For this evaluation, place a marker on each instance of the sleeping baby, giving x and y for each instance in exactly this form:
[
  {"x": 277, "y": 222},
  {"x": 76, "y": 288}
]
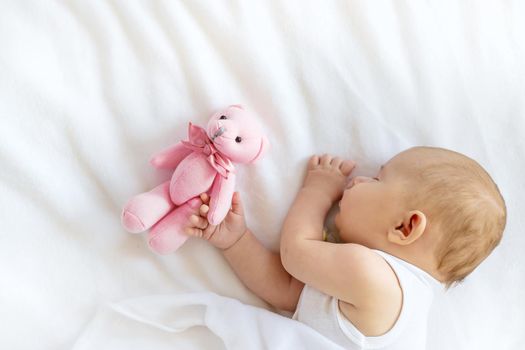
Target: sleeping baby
[{"x": 428, "y": 219}]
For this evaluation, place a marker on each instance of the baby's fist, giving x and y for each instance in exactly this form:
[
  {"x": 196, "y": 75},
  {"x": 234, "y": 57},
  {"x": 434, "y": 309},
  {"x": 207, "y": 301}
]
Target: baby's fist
[
  {"x": 328, "y": 175},
  {"x": 224, "y": 235}
]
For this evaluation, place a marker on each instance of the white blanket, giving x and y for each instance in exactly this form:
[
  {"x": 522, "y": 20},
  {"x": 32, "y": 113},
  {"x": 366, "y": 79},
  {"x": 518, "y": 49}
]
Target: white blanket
[
  {"x": 156, "y": 322},
  {"x": 89, "y": 90}
]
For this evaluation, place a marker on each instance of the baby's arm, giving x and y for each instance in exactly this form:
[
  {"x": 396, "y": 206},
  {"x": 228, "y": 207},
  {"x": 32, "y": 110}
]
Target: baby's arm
[
  {"x": 263, "y": 273},
  {"x": 350, "y": 272},
  {"x": 258, "y": 268}
]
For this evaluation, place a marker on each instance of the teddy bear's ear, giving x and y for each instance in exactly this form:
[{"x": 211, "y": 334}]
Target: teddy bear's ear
[
  {"x": 265, "y": 146},
  {"x": 238, "y": 106}
]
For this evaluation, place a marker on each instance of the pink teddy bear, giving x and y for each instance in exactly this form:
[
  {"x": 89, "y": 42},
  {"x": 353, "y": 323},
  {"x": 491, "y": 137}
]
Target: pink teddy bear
[{"x": 202, "y": 164}]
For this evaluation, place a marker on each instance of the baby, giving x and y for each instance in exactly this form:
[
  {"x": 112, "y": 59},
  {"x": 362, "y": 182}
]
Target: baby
[{"x": 428, "y": 218}]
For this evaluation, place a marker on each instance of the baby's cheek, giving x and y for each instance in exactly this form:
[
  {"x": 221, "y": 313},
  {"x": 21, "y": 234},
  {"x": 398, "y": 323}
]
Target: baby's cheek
[
  {"x": 343, "y": 219},
  {"x": 347, "y": 203}
]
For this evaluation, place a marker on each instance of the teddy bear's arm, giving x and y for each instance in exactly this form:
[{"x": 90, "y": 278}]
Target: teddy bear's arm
[
  {"x": 221, "y": 198},
  {"x": 170, "y": 157}
]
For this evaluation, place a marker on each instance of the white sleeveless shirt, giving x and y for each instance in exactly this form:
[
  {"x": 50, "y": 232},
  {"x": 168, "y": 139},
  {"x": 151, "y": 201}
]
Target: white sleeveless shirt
[{"x": 321, "y": 312}]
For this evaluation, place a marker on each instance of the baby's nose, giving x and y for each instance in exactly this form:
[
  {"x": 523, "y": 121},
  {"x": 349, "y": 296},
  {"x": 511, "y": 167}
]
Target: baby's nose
[{"x": 359, "y": 179}]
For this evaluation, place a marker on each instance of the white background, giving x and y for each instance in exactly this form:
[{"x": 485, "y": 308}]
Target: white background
[{"x": 90, "y": 89}]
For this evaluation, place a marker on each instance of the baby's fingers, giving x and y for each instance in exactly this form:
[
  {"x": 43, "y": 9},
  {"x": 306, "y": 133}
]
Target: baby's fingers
[
  {"x": 313, "y": 162},
  {"x": 347, "y": 166},
  {"x": 195, "y": 232},
  {"x": 198, "y": 222},
  {"x": 203, "y": 210},
  {"x": 205, "y": 198},
  {"x": 199, "y": 225},
  {"x": 237, "y": 204}
]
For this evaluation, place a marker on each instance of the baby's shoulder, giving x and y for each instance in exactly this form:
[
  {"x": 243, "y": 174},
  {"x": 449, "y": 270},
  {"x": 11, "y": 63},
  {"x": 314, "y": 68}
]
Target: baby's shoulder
[
  {"x": 383, "y": 281},
  {"x": 380, "y": 307}
]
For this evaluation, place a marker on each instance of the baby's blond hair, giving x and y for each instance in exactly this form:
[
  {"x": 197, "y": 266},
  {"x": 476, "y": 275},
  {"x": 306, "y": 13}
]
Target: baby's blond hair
[{"x": 464, "y": 205}]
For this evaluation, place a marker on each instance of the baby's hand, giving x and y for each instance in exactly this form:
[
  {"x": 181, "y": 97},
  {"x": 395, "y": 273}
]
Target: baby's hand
[
  {"x": 224, "y": 235},
  {"x": 328, "y": 175}
]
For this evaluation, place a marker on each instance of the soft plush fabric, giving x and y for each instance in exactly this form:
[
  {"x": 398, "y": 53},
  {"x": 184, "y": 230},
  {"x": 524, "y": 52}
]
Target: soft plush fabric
[
  {"x": 202, "y": 164},
  {"x": 161, "y": 319},
  {"x": 89, "y": 90}
]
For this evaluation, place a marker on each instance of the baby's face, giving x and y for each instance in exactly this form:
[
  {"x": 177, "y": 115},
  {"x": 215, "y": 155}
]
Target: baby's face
[{"x": 371, "y": 206}]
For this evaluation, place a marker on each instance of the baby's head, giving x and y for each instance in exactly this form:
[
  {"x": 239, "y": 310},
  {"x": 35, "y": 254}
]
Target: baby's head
[{"x": 435, "y": 208}]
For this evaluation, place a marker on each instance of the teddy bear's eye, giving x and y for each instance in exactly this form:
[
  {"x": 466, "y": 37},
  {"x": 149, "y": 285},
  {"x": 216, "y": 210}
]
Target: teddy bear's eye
[
  {"x": 238, "y": 139},
  {"x": 223, "y": 117}
]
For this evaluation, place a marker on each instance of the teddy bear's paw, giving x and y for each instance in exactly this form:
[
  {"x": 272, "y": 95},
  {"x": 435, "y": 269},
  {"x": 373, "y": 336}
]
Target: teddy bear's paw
[
  {"x": 132, "y": 223},
  {"x": 165, "y": 244}
]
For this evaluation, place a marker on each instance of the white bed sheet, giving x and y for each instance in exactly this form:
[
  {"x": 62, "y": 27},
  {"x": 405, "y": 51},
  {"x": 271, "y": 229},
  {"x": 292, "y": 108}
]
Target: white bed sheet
[{"x": 89, "y": 90}]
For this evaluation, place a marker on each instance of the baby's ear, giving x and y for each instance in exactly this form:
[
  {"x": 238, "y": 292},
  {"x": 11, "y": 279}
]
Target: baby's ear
[{"x": 409, "y": 230}]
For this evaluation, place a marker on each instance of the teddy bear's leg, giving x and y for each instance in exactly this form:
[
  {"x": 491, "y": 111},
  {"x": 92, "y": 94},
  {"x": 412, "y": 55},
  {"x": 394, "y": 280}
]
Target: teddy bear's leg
[
  {"x": 168, "y": 235},
  {"x": 146, "y": 209}
]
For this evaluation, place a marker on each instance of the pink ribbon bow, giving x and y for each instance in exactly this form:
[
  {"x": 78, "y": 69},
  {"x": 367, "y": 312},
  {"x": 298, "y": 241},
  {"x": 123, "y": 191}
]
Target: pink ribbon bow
[{"x": 199, "y": 141}]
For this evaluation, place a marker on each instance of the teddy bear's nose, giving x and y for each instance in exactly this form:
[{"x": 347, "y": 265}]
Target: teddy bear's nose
[{"x": 218, "y": 133}]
